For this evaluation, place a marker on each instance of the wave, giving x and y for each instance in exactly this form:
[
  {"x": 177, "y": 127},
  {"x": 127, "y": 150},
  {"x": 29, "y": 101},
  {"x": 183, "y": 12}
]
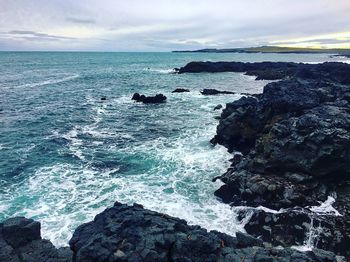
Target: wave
[
  {"x": 162, "y": 71},
  {"x": 50, "y": 81}
]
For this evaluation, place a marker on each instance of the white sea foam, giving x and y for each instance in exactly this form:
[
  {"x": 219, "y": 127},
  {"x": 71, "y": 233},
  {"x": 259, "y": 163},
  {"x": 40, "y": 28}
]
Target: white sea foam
[
  {"x": 169, "y": 174},
  {"x": 312, "y": 236},
  {"x": 339, "y": 60},
  {"x": 75, "y": 143},
  {"x": 50, "y": 81},
  {"x": 326, "y": 208}
]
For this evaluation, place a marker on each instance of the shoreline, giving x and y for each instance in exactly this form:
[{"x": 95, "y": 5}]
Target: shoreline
[
  {"x": 283, "y": 135},
  {"x": 285, "y": 97}
]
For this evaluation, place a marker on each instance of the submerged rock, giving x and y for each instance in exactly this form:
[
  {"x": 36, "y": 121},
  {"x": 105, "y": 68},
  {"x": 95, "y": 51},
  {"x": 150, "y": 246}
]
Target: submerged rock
[{"x": 159, "y": 98}]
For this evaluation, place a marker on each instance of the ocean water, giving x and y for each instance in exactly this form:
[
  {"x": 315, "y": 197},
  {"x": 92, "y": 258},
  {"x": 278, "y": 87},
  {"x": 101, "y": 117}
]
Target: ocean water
[{"x": 65, "y": 155}]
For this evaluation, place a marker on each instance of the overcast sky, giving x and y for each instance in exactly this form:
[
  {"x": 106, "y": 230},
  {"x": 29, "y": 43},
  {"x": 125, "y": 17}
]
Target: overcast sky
[{"x": 163, "y": 25}]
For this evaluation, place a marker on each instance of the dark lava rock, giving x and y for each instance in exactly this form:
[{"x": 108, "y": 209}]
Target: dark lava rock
[
  {"x": 214, "y": 92},
  {"x": 335, "y": 72},
  {"x": 131, "y": 233},
  {"x": 295, "y": 142},
  {"x": 180, "y": 90},
  {"x": 300, "y": 227},
  {"x": 20, "y": 240},
  {"x": 19, "y": 231},
  {"x": 159, "y": 98}
]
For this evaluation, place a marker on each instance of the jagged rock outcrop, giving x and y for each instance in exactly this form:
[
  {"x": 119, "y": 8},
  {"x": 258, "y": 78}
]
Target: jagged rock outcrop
[
  {"x": 131, "y": 233},
  {"x": 335, "y": 72},
  {"x": 20, "y": 240},
  {"x": 295, "y": 142},
  {"x": 287, "y": 228}
]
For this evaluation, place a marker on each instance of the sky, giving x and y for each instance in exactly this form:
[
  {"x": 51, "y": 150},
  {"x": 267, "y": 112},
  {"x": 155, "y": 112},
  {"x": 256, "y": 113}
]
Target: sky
[{"x": 164, "y": 25}]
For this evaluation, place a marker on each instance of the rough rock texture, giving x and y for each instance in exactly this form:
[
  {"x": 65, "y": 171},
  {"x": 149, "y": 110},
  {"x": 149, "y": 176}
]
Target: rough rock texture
[
  {"x": 295, "y": 142},
  {"x": 20, "y": 240},
  {"x": 159, "y": 98},
  {"x": 288, "y": 228},
  {"x": 131, "y": 233},
  {"x": 215, "y": 92}
]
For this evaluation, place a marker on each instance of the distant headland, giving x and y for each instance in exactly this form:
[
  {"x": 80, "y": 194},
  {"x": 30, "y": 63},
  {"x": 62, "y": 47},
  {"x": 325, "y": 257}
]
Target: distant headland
[{"x": 271, "y": 49}]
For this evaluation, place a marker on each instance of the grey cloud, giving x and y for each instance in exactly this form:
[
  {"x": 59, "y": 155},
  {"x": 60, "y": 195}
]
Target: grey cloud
[
  {"x": 320, "y": 41},
  {"x": 166, "y": 24},
  {"x": 35, "y": 35},
  {"x": 81, "y": 20}
]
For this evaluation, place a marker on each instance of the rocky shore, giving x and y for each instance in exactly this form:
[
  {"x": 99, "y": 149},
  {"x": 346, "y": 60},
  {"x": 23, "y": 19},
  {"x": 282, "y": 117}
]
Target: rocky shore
[
  {"x": 131, "y": 233},
  {"x": 290, "y": 154},
  {"x": 294, "y": 151}
]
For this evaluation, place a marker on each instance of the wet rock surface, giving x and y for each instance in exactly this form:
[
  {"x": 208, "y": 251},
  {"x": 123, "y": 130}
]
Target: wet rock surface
[
  {"x": 288, "y": 228},
  {"x": 295, "y": 142}
]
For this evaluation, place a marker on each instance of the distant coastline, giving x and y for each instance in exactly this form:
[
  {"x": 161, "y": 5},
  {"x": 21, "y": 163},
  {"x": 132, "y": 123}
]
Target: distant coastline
[{"x": 270, "y": 49}]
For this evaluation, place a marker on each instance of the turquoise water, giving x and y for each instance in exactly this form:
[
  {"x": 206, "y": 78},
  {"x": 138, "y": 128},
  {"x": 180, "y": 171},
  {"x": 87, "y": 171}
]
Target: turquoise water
[{"x": 65, "y": 155}]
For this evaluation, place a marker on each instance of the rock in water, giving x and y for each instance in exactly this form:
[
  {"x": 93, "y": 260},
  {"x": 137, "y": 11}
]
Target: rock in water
[
  {"x": 208, "y": 92},
  {"x": 218, "y": 107},
  {"x": 159, "y": 98},
  {"x": 180, "y": 90}
]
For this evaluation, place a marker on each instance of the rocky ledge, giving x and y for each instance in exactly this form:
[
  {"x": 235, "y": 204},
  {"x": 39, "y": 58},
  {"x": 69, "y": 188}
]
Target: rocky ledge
[
  {"x": 20, "y": 240},
  {"x": 132, "y": 233},
  {"x": 338, "y": 72},
  {"x": 294, "y": 151}
]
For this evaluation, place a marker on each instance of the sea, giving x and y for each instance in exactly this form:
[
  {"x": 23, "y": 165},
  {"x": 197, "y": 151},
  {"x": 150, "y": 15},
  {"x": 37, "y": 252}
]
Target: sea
[{"x": 66, "y": 155}]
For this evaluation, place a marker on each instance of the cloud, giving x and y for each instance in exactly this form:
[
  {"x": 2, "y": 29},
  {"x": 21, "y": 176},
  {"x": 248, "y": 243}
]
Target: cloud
[
  {"x": 81, "y": 20},
  {"x": 34, "y": 35},
  {"x": 163, "y": 25}
]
